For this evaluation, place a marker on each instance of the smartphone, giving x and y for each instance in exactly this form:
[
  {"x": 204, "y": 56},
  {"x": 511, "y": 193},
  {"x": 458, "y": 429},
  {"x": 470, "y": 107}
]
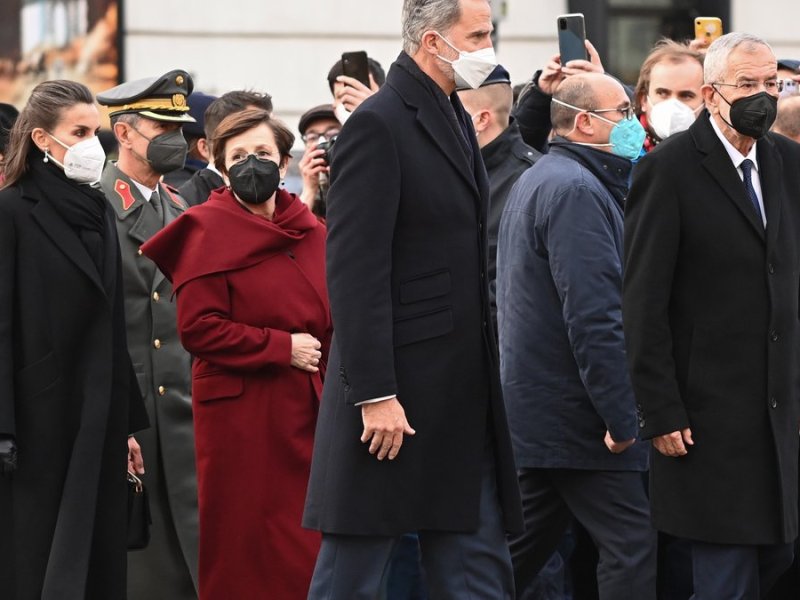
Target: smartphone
[
  {"x": 355, "y": 65},
  {"x": 707, "y": 29},
  {"x": 571, "y": 37}
]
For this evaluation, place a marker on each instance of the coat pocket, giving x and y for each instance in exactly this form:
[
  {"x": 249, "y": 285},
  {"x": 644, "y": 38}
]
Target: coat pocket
[
  {"x": 425, "y": 326},
  {"x": 425, "y": 287},
  {"x": 216, "y": 386},
  {"x": 38, "y": 377}
]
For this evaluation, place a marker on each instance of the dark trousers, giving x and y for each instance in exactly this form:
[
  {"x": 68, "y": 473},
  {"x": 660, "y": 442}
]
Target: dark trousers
[
  {"x": 613, "y": 508},
  {"x": 457, "y": 566},
  {"x": 734, "y": 572}
]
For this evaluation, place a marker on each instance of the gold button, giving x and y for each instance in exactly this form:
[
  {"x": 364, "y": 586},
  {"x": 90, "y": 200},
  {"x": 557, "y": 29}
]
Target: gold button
[
  {"x": 162, "y": 390},
  {"x": 157, "y": 344},
  {"x": 156, "y": 297},
  {"x": 139, "y": 252}
]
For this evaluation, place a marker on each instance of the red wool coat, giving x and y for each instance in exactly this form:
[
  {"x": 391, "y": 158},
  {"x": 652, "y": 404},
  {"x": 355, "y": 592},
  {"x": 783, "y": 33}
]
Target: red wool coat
[{"x": 244, "y": 285}]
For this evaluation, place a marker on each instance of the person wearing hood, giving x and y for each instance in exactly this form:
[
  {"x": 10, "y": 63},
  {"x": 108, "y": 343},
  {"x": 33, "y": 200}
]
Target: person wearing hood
[
  {"x": 565, "y": 380},
  {"x": 255, "y": 316}
]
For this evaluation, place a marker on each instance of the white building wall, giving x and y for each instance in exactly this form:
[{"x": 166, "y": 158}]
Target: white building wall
[{"x": 286, "y": 47}]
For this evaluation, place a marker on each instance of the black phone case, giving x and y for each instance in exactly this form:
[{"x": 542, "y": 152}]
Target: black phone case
[{"x": 354, "y": 64}]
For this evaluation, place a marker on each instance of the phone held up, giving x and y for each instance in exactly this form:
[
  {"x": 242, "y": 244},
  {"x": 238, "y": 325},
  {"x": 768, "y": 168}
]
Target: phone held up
[
  {"x": 355, "y": 65},
  {"x": 571, "y": 37},
  {"x": 707, "y": 29}
]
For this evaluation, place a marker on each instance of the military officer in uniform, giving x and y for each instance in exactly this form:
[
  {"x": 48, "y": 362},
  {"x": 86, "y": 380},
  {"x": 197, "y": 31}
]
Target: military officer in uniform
[{"x": 146, "y": 116}]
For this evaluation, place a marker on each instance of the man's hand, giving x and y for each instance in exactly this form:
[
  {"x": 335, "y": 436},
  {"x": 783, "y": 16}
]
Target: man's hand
[
  {"x": 311, "y": 165},
  {"x": 384, "y": 423},
  {"x": 617, "y": 447},
  {"x": 354, "y": 92},
  {"x": 674, "y": 444},
  {"x": 554, "y": 73},
  {"x": 8, "y": 455},
  {"x": 135, "y": 460},
  {"x": 306, "y": 352}
]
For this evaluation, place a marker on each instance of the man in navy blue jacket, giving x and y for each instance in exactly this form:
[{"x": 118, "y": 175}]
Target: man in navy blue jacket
[{"x": 565, "y": 381}]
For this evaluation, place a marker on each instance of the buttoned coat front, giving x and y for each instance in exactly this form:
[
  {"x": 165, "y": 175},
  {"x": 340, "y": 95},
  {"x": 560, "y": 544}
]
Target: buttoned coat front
[
  {"x": 710, "y": 309},
  {"x": 407, "y": 260},
  {"x": 164, "y": 370}
]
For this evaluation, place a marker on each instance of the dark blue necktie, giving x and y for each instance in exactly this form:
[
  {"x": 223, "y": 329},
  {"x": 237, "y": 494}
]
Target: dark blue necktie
[{"x": 747, "y": 168}]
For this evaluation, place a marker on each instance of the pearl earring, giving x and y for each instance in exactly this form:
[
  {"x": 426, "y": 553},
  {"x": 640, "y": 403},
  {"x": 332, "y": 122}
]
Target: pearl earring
[{"x": 46, "y": 158}]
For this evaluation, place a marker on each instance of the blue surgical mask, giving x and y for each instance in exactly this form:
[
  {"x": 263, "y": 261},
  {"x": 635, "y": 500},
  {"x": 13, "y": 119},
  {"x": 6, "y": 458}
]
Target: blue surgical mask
[{"x": 627, "y": 136}]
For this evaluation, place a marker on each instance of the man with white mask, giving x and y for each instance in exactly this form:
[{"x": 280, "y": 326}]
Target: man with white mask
[
  {"x": 412, "y": 433},
  {"x": 668, "y": 97}
]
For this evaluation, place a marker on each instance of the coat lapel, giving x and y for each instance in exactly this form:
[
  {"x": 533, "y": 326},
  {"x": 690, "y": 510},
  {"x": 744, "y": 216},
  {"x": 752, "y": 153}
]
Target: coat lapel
[
  {"x": 433, "y": 122},
  {"x": 770, "y": 164},
  {"x": 64, "y": 238},
  {"x": 171, "y": 208},
  {"x": 719, "y": 165}
]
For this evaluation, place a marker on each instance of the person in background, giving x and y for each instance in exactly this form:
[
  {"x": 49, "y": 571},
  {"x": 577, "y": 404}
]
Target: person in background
[
  {"x": 504, "y": 153},
  {"x": 68, "y": 394},
  {"x": 318, "y": 125},
  {"x": 562, "y": 352},
  {"x": 255, "y": 315},
  {"x": 198, "y": 153},
  {"x": 668, "y": 96},
  {"x": 8, "y": 114},
  {"x": 146, "y": 116},
  {"x": 204, "y": 181},
  {"x": 710, "y": 308},
  {"x": 348, "y": 93}
]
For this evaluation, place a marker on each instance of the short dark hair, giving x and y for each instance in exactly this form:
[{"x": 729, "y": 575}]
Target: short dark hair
[
  {"x": 244, "y": 120},
  {"x": 232, "y": 102},
  {"x": 665, "y": 50},
  {"x": 575, "y": 91}
]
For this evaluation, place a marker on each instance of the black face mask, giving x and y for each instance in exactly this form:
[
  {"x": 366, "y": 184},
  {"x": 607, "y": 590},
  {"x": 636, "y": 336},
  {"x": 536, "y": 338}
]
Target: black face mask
[
  {"x": 253, "y": 180},
  {"x": 166, "y": 152},
  {"x": 753, "y": 115}
]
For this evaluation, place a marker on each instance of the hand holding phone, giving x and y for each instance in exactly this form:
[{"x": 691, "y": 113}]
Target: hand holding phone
[{"x": 356, "y": 65}]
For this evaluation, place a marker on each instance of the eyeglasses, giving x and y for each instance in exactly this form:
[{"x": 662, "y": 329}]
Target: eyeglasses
[
  {"x": 627, "y": 113},
  {"x": 313, "y": 138},
  {"x": 772, "y": 86}
]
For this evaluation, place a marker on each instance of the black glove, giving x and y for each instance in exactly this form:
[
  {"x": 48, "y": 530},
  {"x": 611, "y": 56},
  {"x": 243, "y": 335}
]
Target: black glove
[{"x": 8, "y": 455}]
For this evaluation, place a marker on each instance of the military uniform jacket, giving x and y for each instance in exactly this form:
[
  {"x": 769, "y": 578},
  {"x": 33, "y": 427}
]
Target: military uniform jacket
[{"x": 162, "y": 366}]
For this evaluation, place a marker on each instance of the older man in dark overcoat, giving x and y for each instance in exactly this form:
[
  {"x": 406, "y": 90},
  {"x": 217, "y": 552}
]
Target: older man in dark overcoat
[
  {"x": 712, "y": 256},
  {"x": 412, "y": 433}
]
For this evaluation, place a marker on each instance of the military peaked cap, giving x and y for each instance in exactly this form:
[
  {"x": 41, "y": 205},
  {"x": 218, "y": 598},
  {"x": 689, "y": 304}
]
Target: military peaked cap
[{"x": 159, "y": 98}]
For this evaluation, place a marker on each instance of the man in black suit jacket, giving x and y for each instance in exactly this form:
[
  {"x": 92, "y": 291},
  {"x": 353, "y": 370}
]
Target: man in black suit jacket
[
  {"x": 712, "y": 237},
  {"x": 413, "y": 344}
]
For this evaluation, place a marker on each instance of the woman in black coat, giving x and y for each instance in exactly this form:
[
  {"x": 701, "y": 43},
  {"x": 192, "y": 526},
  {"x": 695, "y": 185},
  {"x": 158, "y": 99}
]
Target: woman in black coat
[{"x": 68, "y": 394}]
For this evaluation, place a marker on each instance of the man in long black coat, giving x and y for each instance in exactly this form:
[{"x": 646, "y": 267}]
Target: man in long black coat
[
  {"x": 413, "y": 345},
  {"x": 712, "y": 256}
]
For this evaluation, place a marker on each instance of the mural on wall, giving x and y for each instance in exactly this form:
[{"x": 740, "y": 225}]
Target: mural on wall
[{"x": 58, "y": 39}]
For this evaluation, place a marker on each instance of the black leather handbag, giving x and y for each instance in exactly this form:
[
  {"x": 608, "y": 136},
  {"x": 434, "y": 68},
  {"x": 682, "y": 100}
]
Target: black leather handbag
[{"x": 139, "y": 519}]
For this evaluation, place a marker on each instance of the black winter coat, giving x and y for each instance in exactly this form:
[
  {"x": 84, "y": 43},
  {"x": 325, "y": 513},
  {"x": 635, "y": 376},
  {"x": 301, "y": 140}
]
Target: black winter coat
[
  {"x": 407, "y": 259},
  {"x": 710, "y": 309},
  {"x": 69, "y": 394}
]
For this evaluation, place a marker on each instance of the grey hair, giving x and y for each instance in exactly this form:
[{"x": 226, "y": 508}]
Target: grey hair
[
  {"x": 420, "y": 16},
  {"x": 716, "y": 62}
]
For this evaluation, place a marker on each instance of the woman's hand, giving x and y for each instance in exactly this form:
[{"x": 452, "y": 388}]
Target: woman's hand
[
  {"x": 135, "y": 460},
  {"x": 305, "y": 352}
]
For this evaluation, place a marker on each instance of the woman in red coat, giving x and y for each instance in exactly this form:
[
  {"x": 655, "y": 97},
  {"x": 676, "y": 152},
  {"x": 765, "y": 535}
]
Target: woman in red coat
[{"x": 248, "y": 268}]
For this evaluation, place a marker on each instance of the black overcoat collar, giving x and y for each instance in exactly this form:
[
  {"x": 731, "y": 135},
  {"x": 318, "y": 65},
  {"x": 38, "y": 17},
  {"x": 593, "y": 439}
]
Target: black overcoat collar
[
  {"x": 719, "y": 165},
  {"x": 417, "y": 91},
  {"x": 58, "y": 230}
]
